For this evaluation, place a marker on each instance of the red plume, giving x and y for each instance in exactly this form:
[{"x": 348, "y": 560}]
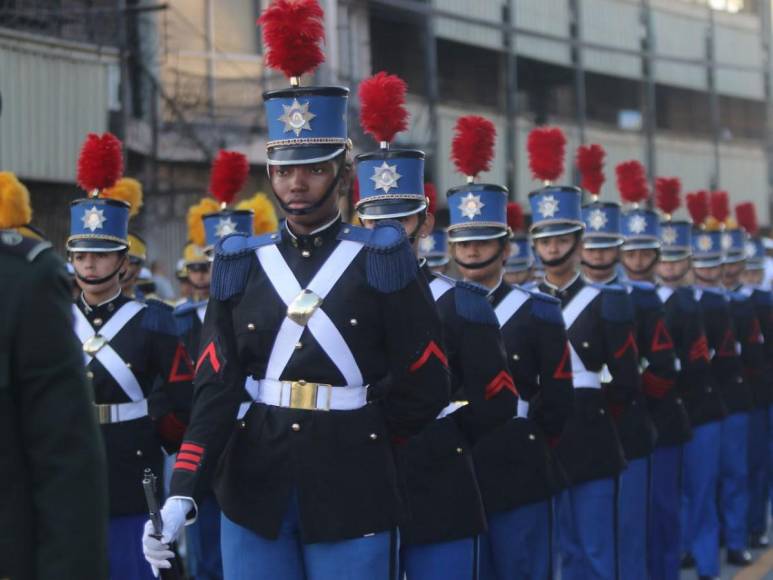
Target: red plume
[
  {"x": 590, "y": 162},
  {"x": 698, "y": 206},
  {"x": 431, "y": 194},
  {"x": 746, "y": 214},
  {"x": 356, "y": 191},
  {"x": 382, "y": 106},
  {"x": 514, "y": 216},
  {"x": 667, "y": 194},
  {"x": 229, "y": 173},
  {"x": 720, "y": 206},
  {"x": 546, "y": 146},
  {"x": 473, "y": 146},
  {"x": 101, "y": 162},
  {"x": 292, "y": 33},
  {"x": 631, "y": 181}
]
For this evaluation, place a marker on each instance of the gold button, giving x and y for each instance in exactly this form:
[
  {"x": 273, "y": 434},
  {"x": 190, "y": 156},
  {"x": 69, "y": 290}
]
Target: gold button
[
  {"x": 97, "y": 322},
  {"x": 459, "y": 450},
  {"x": 250, "y": 326},
  {"x": 373, "y": 436},
  {"x": 739, "y": 380},
  {"x": 679, "y": 400},
  {"x": 110, "y": 307},
  {"x": 708, "y": 389},
  {"x": 89, "y": 374},
  {"x": 295, "y": 427},
  {"x": 128, "y": 365},
  {"x": 516, "y": 357},
  {"x": 531, "y": 437},
  {"x": 602, "y": 412},
  {"x": 585, "y": 344},
  {"x": 317, "y": 242},
  {"x": 305, "y": 253},
  {"x": 298, "y": 345},
  {"x": 353, "y": 322},
  {"x": 347, "y": 230},
  {"x": 242, "y": 424},
  {"x": 139, "y": 452}
]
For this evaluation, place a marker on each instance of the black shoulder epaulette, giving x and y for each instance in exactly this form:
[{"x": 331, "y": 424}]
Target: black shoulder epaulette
[{"x": 546, "y": 307}]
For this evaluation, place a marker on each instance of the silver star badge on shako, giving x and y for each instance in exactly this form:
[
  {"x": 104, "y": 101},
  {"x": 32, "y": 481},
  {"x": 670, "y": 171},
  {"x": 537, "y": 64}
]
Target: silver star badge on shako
[
  {"x": 751, "y": 250},
  {"x": 297, "y": 117},
  {"x": 471, "y": 205},
  {"x": 224, "y": 227},
  {"x": 597, "y": 219},
  {"x": 669, "y": 235},
  {"x": 385, "y": 177},
  {"x": 93, "y": 219},
  {"x": 515, "y": 250},
  {"x": 547, "y": 206},
  {"x": 426, "y": 245},
  {"x": 704, "y": 243},
  {"x": 727, "y": 241},
  {"x": 637, "y": 224}
]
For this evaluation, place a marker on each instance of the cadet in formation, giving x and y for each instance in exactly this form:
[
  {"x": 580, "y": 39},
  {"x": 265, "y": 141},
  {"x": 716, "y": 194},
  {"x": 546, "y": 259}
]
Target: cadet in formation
[{"x": 305, "y": 319}]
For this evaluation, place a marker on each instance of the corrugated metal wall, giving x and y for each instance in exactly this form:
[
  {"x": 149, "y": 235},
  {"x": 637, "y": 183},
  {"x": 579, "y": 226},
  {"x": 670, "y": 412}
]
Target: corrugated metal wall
[{"x": 54, "y": 92}]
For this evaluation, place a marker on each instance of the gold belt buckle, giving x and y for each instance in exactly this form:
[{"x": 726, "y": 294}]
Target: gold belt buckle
[
  {"x": 103, "y": 414},
  {"x": 94, "y": 344},
  {"x": 303, "y": 395}
]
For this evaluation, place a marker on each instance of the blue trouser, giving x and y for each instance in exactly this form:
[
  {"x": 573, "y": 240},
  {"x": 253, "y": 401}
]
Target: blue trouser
[
  {"x": 632, "y": 519},
  {"x": 124, "y": 538},
  {"x": 202, "y": 539},
  {"x": 586, "y": 531},
  {"x": 664, "y": 544},
  {"x": 517, "y": 544},
  {"x": 700, "y": 524},
  {"x": 734, "y": 480},
  {"x": 758, "y": 471},
  {"x": 456, "y": 560},
  {"x": 248, "y": 556}
]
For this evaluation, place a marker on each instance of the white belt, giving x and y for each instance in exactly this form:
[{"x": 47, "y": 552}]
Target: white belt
[
  {"x": 120, "y": 412},
  {"x": 450, "y": 408},
  {"x": 523, "y": 409},
  {"x": 586, "y": 380},
  {"x": 304, "y": 395}
]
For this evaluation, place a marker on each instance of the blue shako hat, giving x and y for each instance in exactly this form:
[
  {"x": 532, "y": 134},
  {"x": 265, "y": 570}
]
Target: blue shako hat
[
  {"x": 755, "y": 254},
  {"x": 641, "y": 229},
  {"x": 225, "y": 222},
  {"x": 746, "y": 216},
  {"x": 434, "y": 248},
  {"x": 477, "y": 211},
  {"x": 734, "y": 245},
  {"x": 675, "y": 240},
  {"x": 306, "y": 124},
  {"x": 602, "y": 225},
  {"x": 98, "y": 225},
  {"x": 706, "y": 248},
  {"x": 555, "y": 211},
  {"x": 521, "y": 257},
  {"x": 391, "y": 180}
]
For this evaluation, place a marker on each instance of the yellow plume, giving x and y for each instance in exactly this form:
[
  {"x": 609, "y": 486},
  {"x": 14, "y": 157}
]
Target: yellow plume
[
  {"x": 129, "y": 190},
  {"x": 15, "y": 209},
  {"x": 195, "y": 219},
  {"x": 264, "y": 219}
]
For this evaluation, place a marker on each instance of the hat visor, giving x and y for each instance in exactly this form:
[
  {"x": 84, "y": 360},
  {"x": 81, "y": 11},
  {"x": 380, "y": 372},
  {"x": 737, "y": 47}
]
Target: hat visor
[
  {"x": 733, "y": 258},
  {"x": 436, "y": 261},
  {"x": 303, "y": 154},
  {"x": 95, "y": 245},
  {"x": 755, "y": 264},
  {"x": 600, "y": 242},
  {"x": 629, "y": 245},
  {"x": 555, "y": 229},
  {"x": 383, "y": 209},
  {"x": 706, "y": 261},
  {"x": 469, "y": 234},
  {"x": 518, "y": 266},
  {"x": 674, "y": 255}
]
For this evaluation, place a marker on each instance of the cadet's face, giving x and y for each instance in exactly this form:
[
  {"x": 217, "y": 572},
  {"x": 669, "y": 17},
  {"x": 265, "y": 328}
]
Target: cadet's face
[
  {"x": 132, "y": 272},
  {"x": 96, "y": 265},
  {"x": 708, "y": 275},
  {"x": 301, "y": 186},
  {"x": 477, "y": 251},
  {"x": 635, "y": 262},
  {"x": 673, "y": 271},
  {"x": 554, "y": 248},
  {"x": 199, "y": 275},
  {"x": 752, "y": 277},
  {"x": 600, "y": 256},
  {"x": 731, "y": 273},
  {"x": 518, "y": 277}
]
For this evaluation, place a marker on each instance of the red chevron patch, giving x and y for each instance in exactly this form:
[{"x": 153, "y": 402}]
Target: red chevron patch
[
  {"x": 661, "y": 339},
  {"x": 728, "y": 344},
  {"x": 182, "y": 366},
  {"x": 755, "y": 334},
  {"x": 209, "y": 353},
  {"x": 700, "y": 349},
  {"x": 432, "y": 350},
  {"x": 563, "y": 370},
  {"x": 502, "y": 381},
  {"x": 630, "y": 343}
]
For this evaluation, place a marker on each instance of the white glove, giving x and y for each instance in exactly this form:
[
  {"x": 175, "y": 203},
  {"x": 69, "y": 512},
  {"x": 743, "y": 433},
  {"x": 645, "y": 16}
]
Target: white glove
[{"x": 157, "y": 551}]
